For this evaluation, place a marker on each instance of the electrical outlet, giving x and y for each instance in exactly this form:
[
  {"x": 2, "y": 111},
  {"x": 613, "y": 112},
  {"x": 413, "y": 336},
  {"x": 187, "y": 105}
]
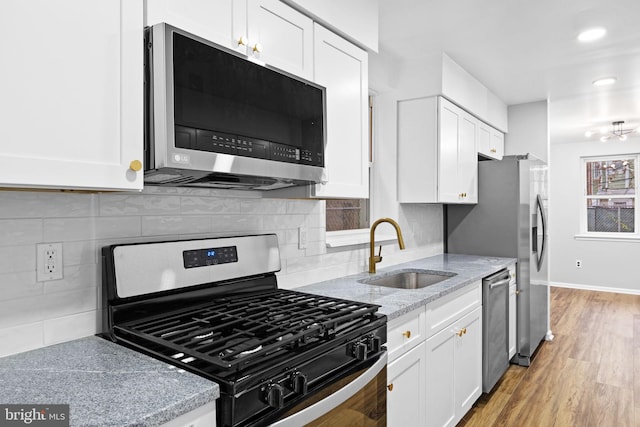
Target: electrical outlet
[
  {"x": 578, "y": 263},
  {"x": 302, "y": 238},
  {"x": 49, "y": 262}
]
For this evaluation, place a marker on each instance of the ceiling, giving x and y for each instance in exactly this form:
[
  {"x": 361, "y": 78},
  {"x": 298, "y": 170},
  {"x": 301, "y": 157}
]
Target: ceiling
[{"x": 526, "y": 51}]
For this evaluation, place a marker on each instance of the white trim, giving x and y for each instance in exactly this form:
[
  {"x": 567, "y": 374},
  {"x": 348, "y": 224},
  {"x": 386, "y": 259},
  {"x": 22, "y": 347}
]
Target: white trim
[
  {"x": 596, "y": 288},
  {"x": 609, "y": 237},
  {"x": 337, "y": 239}
]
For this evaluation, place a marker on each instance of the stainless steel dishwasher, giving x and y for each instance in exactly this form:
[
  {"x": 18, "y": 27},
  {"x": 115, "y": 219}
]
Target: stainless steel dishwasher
[{"x": 495, "y": 328}]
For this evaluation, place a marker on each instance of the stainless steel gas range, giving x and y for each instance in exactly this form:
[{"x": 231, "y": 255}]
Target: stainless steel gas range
[{"x": 213, "y": 307}]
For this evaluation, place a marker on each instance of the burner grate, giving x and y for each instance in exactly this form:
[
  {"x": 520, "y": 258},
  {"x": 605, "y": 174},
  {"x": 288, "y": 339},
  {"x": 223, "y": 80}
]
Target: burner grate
[{"x": 236, "y": 331}]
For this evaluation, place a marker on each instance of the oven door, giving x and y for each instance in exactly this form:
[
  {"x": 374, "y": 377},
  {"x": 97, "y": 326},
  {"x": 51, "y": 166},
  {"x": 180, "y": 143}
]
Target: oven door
[{"x": 359, "y": 399}]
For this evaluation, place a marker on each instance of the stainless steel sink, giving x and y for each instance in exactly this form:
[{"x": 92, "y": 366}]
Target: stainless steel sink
[{"x": 409, "y": 279}]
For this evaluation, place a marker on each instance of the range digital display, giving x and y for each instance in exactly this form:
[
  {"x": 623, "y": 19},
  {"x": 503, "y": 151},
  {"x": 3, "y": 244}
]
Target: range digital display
[{"x": 209, "y": 256}]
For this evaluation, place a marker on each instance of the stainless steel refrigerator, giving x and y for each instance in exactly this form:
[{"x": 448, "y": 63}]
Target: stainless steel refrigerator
[{"x": 510, "y": 220}]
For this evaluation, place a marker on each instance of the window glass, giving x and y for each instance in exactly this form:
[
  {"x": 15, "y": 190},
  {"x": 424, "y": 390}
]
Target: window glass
[
  {"x": 347, "y": 214},
  {"x": 610, "y": 194}
]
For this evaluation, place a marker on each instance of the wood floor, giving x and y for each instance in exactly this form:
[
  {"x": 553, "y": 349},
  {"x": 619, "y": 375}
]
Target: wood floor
[{"x": 588, "y": 376}]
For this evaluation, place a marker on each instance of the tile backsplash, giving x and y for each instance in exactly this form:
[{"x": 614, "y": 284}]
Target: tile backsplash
[{"x": 35, "y": 314}]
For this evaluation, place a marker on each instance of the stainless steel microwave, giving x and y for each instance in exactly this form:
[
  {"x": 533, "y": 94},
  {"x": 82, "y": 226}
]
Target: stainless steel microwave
[{"x": 215, "y": 118}]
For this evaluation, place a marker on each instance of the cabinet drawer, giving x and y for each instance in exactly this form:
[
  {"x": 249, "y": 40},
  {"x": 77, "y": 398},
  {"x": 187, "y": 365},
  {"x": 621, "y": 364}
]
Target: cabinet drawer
[
  {"x": 445, "y": 310},
  {"x": 405, "y": 332}
]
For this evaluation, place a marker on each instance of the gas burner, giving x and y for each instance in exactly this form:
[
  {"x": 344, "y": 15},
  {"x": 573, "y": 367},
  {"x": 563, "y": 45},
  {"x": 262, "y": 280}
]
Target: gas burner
[{"x": 240, "y": 347}]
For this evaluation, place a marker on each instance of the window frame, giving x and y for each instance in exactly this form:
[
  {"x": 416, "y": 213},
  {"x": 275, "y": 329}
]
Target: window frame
[{"x": 585, "y": 234}]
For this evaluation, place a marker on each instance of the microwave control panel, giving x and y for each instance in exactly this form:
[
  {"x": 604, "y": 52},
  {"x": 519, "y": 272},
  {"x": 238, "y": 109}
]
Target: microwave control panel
[{"x": 220, "y": 142}]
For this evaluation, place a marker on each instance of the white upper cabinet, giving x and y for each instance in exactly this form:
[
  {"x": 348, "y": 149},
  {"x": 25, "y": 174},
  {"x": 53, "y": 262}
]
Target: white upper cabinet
[
  {"x": 280, "y": 36},
  {"x": 437, "y": 155},
  {"x": 490, "y": 141},
  {"x": 267, "y": 30},
  {"x": 72, "y": 94},
  {"x": 220, "y": 21},
  {"x": 342, "y": 68}
]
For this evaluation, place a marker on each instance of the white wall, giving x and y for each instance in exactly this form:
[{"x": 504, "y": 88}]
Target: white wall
[
  {"x": 528, "y": 130},
  {"x": 607, "y": 265}
]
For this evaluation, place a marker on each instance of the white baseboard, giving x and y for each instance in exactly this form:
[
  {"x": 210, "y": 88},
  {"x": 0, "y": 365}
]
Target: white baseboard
[{"x": 596, "y": 288}]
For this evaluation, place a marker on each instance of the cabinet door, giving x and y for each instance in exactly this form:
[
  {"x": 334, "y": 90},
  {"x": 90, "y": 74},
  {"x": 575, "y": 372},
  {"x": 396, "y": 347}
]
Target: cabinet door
[
  {"x": 484, "y": 139},
  {"x": 490, "y": 141},
  {"x": 440, "y": 399},
  {"x": 457, "y": 155},
  {"x": 468, "y": 362},
  {"x": 221, "y": 21},
  {"x": 71, "y": 85},
  {"x": 406, "y": 389},
  {"x": 449, "y": 128},
  {"x": 497, "y": 144},
  {"x": 280, "y": 36},
  {"x": 342, "y": 68},
  {"x": 468, "y": 158}
]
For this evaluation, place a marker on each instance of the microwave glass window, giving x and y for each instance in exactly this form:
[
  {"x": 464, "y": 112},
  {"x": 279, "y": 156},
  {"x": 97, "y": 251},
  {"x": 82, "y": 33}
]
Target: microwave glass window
[{"x": 218, "y": 95}]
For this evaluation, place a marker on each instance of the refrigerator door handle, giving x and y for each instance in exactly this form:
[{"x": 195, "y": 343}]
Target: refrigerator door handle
[{"x": 543, "y": 219}]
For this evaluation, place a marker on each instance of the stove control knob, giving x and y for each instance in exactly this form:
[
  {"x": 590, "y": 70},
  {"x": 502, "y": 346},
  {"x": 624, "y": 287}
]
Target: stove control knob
[
  {"x": 299, "y": 383},
  {"x": 273, "y": 396},
  {"x": 375, "y": 344},
  {"x": 360, "y": 351}
]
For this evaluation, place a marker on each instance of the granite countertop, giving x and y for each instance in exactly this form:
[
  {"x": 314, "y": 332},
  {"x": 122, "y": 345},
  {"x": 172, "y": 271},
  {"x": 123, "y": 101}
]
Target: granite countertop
[
  {"x": 105, "y": 384},
  {"x": 396, "y": 302}
]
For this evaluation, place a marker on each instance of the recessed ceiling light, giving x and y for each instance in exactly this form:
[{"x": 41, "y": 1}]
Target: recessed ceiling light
[
  {"x": 605, "y": 81},
  {"x": 592, "y": 34}
]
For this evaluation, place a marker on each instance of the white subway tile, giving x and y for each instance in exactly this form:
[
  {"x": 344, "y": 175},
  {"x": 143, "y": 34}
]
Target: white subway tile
[
  {"x": 20, "y": 231},
  {"x": 263, "y": 206},
  {"x": 174, "y": 225},
  {"x": 61, "y": 304},
  {"x": 73, "y": 229},
  {"x": 138, "y": 204},
  {"x": 75, "y": 277},
  {"x": 209, "y": 205},
  {"x": 79, "y": 252},
  {"x": 19, "y": 285},
  {"x": 27, "y": 204},
  {"x": 316, "y": 248},
  {"x": 20, "y": 311},
  {"x": 21, "y": 338},
  {"x": 305, "y": 207},
  {"x": 282, "y": 222},
  {"x": 71, "y": 327},
  {"x": 15, "y": 259},
  {"x": 240, "y": 224}
]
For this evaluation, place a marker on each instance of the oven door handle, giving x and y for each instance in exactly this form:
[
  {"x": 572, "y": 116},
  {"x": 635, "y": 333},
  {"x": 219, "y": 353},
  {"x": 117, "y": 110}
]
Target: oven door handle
[{"x": 327, "y": 404}]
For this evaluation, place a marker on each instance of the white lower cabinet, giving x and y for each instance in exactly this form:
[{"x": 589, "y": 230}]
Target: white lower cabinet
[
  {"x": 434, "y": 373},
  {"x": 406, "y": 389},
  {"x": 454, "y": 373}
]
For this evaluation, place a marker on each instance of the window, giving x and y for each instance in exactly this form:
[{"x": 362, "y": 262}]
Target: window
[
  {"x": 610, "y": 194},
  {"x": 347, "y": 214}
]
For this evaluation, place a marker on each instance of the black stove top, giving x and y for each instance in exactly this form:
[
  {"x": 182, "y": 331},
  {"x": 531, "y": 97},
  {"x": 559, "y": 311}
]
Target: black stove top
[{"x": 236, "y": 332}]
